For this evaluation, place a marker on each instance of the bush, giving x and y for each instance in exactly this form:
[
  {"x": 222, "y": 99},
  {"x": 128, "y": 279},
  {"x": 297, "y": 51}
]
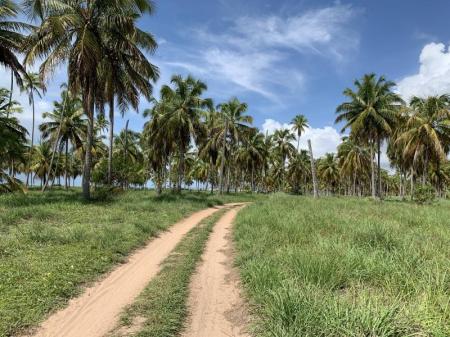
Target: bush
[{"x": 424, "y": 194}]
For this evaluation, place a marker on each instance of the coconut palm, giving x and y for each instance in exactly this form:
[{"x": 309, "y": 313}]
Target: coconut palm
[
  {"x": 80, "y": 33},
  {"x": 11, "y": 41},
  {"x": 234, "y": 123},
  {"x": 370, "y": 113},
  {"x": 181, "y": 120},
  {"x": 426, "y": 136},
  {"x": 299, "y": 125},
  {"x": 354, "y": 161},
  {"x": 34, "y": 87},
  {"x": 328, "y": 171},
  {"x": 66, "y": 125}
]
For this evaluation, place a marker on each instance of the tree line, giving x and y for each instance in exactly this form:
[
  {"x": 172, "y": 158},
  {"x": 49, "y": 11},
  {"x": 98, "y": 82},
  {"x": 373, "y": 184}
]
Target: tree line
[{"x": 187, "y": 140}]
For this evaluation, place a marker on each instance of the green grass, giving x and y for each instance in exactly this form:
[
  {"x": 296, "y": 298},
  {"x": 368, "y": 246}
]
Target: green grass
[
  {"x": 346, "y": 267},
  {"x": 162, "y": 307},
  {"x": 52, "y": 244}
]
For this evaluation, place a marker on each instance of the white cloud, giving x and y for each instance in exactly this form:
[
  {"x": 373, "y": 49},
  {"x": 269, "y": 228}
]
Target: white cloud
[
  {"x": 323, "y": 140},
  {"x": 310, "y": 31},
  {"x": 433, "y": 77},
  {"x": 255, "y": 53}
]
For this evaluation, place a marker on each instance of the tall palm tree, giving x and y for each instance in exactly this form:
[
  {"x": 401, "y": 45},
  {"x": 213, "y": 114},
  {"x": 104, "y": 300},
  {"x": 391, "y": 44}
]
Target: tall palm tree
[
  {"x": 233, "y": 123},
  {"x": 282, "y": 139},
  {"x": 34, "y": 87},
  {"x": 183, "y": 106},
  {"x": 80, "y": 33},
  {"x": 299, "y": 125},
  {"x": 370, "y": 113},
  {"x": 66, "y": 125}
]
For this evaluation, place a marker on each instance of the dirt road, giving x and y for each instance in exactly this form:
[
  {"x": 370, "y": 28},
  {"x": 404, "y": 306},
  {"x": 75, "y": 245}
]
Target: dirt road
[
  {"x": 96, "y": 311},
  {"x": 215, "y": 301}
]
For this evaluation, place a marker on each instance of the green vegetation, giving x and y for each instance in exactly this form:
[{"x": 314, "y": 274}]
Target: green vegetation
[
  {"x": 163, "y": 304},
  {"x": 52, "y": 243},
  {"x": 346, "y": 267}
]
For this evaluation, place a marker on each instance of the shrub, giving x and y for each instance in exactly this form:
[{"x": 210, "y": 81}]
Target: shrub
[{"x": 424, "y": 194}]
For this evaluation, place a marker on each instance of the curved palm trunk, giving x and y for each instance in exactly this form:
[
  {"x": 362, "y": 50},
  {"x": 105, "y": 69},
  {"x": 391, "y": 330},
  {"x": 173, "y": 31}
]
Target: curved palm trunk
[
  {"x": 89, "y": 109},
  {"x": 111, "y": 139}
]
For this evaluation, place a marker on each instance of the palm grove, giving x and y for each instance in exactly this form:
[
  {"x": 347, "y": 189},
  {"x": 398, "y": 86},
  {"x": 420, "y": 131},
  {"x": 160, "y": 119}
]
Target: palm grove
[{"x": 188, "y": 141}]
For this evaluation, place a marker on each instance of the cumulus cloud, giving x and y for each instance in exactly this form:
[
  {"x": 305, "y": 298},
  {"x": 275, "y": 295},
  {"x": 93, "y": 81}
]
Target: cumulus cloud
[
  {"x": 433, "y": 77},
  {"x": 323, "y": 140}
]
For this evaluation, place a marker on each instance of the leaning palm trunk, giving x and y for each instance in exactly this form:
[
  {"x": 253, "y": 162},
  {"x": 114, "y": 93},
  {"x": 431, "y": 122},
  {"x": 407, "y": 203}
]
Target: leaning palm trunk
[{"x": 111, "y": 140}]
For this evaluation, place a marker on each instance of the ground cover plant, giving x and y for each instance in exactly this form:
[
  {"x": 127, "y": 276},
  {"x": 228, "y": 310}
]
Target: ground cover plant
[
  {"x": 346, "y": 267},
  {"x": 52, "y": 243}
]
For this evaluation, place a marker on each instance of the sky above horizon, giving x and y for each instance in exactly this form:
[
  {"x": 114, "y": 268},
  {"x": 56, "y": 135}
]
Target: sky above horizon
[{"x": 290, "y": 57}]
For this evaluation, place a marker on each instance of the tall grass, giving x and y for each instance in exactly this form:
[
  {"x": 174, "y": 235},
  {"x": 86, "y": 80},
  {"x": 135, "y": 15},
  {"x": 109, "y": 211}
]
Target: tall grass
[
  {"x": 52, "y": 243},
  {"x": 346, "y": 267}
]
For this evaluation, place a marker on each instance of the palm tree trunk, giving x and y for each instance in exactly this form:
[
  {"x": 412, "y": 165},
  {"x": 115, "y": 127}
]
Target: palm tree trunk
[
  {"x": 313, "y": 170},
  {"x": 66, "y": 174},
  {"x": 32, "y": 136},
  {"x": 412, "y": 182},
  {"x": 222, "y": 163},
  {"x": 10, "y": 94},
  {"x": 298, "y": 143},
  {"x": 44, "y": 187},
  {"x": 111, "y": 139},
  {"x": 180, "y": 168},
  {"x": 89, "y": 109},
  {"x": 380, "y": 191},
  {"x": 372, "y": 167}
]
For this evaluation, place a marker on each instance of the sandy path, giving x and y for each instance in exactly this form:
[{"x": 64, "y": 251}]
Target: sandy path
[
  {"x": 97, "y": 310},
  {"x": 215, "y": 302}
]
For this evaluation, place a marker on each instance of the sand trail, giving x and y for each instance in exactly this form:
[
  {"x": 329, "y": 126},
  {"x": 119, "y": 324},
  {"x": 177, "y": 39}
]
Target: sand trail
[
  {"x": 216, "y": 305},
  {"x": 96, "y": 311}
]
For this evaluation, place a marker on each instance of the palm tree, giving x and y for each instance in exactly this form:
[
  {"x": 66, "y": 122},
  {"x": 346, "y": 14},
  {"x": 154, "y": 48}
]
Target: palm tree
[
  {"x": 33, "y": 86},
  {"x": 11, "y": 41},
  {"x": 66, "y": 125},
  {"x": 354, "y": 161},
  {"x": 299, "y": 170},
  {"x": 328, "y": 171},
  {"x": 371, "y": 114},
  {"x": 299, "y": 124},
  {"x": 233, "y": 124},
  {"x": 426, "y": 136},
  {"x": 127, "y": 75},
  {"x": 80, "y": 33},
  {"x": 183, "y": 106},
  {"x": 282, "y": 139}
]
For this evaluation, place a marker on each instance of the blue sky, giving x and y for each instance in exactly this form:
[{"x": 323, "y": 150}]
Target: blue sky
[{"x": 288, "y": 57}]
